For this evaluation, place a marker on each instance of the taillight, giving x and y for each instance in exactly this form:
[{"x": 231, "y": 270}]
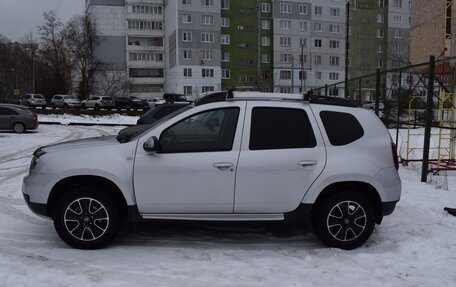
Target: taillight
[
  {"x": 395, "y": 157},
  {"x": 34, "y": 118}
]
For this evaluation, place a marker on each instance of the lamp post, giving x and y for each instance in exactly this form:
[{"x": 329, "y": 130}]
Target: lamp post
[
  {"x": 32, "y": 56},
  {"x": 347, "y": 46}
]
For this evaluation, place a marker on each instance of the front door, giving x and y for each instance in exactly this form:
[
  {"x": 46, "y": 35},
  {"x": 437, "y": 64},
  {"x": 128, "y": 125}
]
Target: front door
[{"x": 194, "y": 170}]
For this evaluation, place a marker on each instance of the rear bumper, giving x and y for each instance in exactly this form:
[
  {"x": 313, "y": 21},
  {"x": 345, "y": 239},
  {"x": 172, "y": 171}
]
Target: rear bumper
[{"x": 388, "y": 207}]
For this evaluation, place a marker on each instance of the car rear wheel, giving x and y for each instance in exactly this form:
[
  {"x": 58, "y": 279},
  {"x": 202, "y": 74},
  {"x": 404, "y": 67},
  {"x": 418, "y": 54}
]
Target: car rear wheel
[
  {"x": 86, "y": 218},
  {"x": 97, "y": 107},
  {"x": 19, "y": 128},
  {"x": 83, "y": 106},
  {"x": 345, "y": 220}
]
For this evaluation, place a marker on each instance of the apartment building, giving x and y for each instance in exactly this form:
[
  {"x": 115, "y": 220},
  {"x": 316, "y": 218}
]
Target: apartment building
[
  {"x": 193, "y": 36},
  {"x": 379, "y": 39},
  {"x": 309, "y": 45},
  {"x": 130, "y": 49}
]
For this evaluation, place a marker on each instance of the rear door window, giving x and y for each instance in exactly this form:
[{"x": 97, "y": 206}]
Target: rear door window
[
  {"x": 280, "y": 128},
  {"x": 341, "y": 128}
]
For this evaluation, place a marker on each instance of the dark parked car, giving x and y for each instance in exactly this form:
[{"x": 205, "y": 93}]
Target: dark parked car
[
  {"x": 130, "y": 103},
  {"x": 159, "y": 112},
  {"x": 17, "y": 118}
]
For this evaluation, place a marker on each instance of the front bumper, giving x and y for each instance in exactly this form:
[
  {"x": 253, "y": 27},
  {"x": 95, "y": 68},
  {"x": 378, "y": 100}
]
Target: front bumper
[{"x": 36, "y": 189}]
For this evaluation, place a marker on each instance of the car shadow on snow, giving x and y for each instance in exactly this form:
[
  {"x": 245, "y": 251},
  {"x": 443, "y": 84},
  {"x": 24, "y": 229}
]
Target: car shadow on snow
[{"x": 220, "y": 235}]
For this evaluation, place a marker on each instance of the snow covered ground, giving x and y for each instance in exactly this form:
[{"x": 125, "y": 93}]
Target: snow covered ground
[{"x": 415, "y": 246}]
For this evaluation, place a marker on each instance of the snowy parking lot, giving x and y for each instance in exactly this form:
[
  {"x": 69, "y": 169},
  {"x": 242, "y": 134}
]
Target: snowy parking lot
[{"x": 415, "y": 246}]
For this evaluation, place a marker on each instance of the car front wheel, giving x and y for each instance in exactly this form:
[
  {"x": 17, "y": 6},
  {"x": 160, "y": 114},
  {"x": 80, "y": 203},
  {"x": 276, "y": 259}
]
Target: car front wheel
[
  {"x": 345, "y": 220},
  {"x": 86, "y": 218}
]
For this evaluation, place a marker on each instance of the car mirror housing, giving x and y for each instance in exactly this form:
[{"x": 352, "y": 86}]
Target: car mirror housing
[{"x": 151, "y": 144}]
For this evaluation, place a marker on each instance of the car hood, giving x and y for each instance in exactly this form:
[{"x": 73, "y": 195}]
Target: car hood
[{"x": 82, "y": 143}]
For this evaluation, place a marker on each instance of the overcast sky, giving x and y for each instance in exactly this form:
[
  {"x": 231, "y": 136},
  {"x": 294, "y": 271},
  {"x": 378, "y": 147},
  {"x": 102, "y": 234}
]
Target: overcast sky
[{"x": 18, "y": 17}]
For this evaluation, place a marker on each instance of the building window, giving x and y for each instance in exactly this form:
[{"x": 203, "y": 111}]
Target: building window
[
  {"x": 302, "y": 59},
  {"x": 285, "y": 75},
  {"x": 265, "y": 24},
  {"x": 397, "y": 18},
  {"x": 285, "y": 41},
  {"x": 266, "y": 7},
  {"x": 303, "y": 42},
  {"x": 334, "y": 60},
  {"x": 334, "y": 76},
  {"x": 225, "y": 73},
  {"x": 397, "y": 33},
  {"x": 207, "y": 37},
  {"x": 186, "y": 18},
  {"x": 186, "y": 2},
  {"x": 397, "y": 4},
  {"x": 225, "y": 4},
  {"x": 396, "y": 64},
  {"x": 318, "y": 10},
  {"x": 146, "y": 73},
  {"x": 379, "y": 63},
  {"x": 187, "y": 54},
  {"x": 303, "y": 26},
  {"x": 207, "y": 73},
  {"x": 317, "y": 27},
  {"x": 207, "y": 55},
  {"x": 187, "y": 72},
  {"x": 145, "y": 57},
  {"x": 207, "y": 19},
  {"x": 302, "y": 75},
  {"x": 334, "y": 44},
  {"x": 334, "y": 92},
  {"x": 187, "y": 36},
  {"x": 334, "y": 12},
  {"x": 145, "y": 25},
  {"x": 379, "y": 49},
  {"x": 188, "y": 90},
  {"x": 318, "y": 75},
  {"x": 285, "y": 90},
  {"x": 265, "y": 41},
  {"x": 207, "y": 3},
  {"x": 145, "y": 9},
  {"x": 285, "y": 8},
  {"x": 381, "y": 3},
  {"x": 206, "y": 89},
  {"x": 303, "y": 9},
  {"x": 265, "y": 58},
  {"x": 380, "y": 18},
  {"x": 333, "y": 28},
  {"x": 318, "y": 60},
  {"x": 379, "y": 33},
  {"x": 225, "y": 56},
  {"x": 285, "y": 58},
  {"x": 318, "y": 43},
  {"x": 225, "y": 39},
  {"x": 225, "y": 22},
  {"x": 285, "y": 24}
]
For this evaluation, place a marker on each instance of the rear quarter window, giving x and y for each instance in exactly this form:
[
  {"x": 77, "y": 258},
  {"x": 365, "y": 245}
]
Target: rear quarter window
[{"x": 341, "y": 128}]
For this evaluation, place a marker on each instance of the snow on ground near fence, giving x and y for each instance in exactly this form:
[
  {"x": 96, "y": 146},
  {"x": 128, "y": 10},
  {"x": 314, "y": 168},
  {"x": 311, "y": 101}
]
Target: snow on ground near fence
[
  {"x": 415, "y": 246},
  {"x": 87, "y": 119}
]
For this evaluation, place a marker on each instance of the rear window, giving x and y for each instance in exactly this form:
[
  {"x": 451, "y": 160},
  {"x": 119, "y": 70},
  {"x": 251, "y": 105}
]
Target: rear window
[
  {"x": 341, "y": 128},
  {"x": 38, "y": 97},
  {"x": 280, "y": 128}
]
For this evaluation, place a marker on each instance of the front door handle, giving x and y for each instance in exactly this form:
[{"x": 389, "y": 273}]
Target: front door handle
[
  {"x": 224, "y": 165},
  {"x": 307, "y": 162}
]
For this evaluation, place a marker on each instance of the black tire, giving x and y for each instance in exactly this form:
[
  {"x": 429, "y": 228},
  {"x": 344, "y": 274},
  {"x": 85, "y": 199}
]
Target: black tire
[
  {"x": 83, "y": 106},
  {"x": 86, "y": 218},
  {"x": 19, "y": 128},
  {"x": 53, "y": 106},
  {"x": 65, "y": 106},
  {"x": 96, "y": 107},
  {"x": 344, "y": 220}
]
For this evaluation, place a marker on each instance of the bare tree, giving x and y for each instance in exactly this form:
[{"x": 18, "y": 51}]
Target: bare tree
[
  {"x": 53, "y": 37},
  {"x": 81, "y": 40},
  {"x": 112, "y": 82}
]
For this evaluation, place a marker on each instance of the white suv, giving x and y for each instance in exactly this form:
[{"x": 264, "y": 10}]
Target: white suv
[{"x": 252, "y": 156}]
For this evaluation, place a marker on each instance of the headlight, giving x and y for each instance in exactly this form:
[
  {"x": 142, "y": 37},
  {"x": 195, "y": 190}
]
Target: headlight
[{"x": 36, "y": 155}]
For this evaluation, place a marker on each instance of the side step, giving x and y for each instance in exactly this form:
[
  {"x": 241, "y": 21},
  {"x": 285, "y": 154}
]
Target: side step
[{"x": 216, "y": 217}]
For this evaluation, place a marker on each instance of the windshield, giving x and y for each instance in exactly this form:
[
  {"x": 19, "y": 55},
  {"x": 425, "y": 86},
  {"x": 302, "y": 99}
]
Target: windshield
[
  {"x": 38, "y": 96},
  {"x": 131, "y": 133},
  {"x": 70, "y": 97}
]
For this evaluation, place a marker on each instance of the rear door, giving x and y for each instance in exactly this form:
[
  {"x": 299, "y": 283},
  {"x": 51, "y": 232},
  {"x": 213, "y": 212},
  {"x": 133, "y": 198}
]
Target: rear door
[{"x": 282, "y": 154}]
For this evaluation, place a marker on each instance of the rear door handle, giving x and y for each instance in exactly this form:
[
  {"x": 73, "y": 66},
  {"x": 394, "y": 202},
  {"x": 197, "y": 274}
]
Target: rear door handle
[
  {"x": 224, "y": 165},
  {"x": 307, "y": 162}
]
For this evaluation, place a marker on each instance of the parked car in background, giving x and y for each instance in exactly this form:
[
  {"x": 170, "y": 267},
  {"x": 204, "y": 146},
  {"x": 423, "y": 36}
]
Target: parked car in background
[
  {"x": 130, "y": 103},
  {"x": 158, "y": 112},
  {"x": 371, "y": 105},
  {"x": 97, "y": 102},
  {"x": 154, "y": 102},
  {"x": 175, "y": 98},
  {"x": 17, "y": 118},
  {"x": 34, "y": 100},
  {"x": 65, "y": 101}
]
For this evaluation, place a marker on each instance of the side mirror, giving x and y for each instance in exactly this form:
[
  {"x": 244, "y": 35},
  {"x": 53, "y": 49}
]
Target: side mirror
[{"x": 151, "y": 144}]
